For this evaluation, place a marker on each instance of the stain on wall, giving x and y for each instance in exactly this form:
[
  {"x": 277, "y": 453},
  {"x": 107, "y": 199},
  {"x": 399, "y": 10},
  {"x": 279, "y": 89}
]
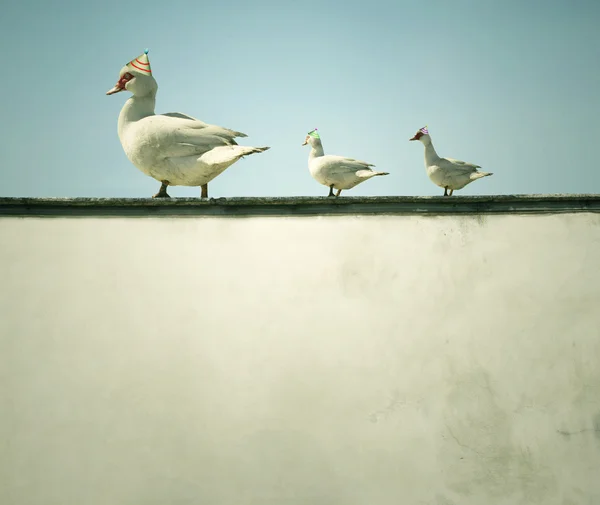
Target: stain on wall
[{"x": 344, "y": 360}]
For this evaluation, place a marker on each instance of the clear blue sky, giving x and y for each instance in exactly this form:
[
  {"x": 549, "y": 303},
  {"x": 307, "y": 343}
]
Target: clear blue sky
[{"x": 513, "y": 86}]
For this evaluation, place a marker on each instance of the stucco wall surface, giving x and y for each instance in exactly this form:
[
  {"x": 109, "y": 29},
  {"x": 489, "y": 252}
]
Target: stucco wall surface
[{"x": 332, "y": 360}]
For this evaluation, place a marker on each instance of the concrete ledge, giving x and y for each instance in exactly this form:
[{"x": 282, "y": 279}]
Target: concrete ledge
[{"x": 297, "y": 206}]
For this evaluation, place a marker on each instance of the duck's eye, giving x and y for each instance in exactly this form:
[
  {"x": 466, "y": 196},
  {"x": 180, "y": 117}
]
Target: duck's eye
[{"x": 126, "y": 77}]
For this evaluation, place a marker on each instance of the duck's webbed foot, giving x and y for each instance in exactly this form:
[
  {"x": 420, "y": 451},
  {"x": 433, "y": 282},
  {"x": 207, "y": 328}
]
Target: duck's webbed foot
[
  {"x": 338, "y": 193},
  {"x": 330, "y": 191},
  {"x": 446, "y": 191},
  {"x": 451, "y": 191},
  {"x": 204, "y": 191},
  {"x": 162, "y": 192}
]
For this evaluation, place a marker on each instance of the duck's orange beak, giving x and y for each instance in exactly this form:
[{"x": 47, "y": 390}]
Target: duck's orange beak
[
  {"x": 121, "y": 83},
  {"x": 116, "y": 89}
]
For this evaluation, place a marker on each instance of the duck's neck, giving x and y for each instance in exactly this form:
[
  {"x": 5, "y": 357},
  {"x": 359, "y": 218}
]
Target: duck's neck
[
  {"x": 136, "y": 108},
  {"x": 316, "y": 151},
  {"x": 431, "y": 157}
]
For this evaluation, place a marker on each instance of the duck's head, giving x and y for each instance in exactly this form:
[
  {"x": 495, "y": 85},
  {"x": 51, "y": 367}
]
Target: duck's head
[
  {"x": 422, "y": 135},
  {"x": 313, "y": 138},
  {"x": 136, "y": 77}
]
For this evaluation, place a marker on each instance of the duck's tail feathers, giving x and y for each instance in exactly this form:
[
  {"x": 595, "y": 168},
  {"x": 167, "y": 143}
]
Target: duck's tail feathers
[
  {"x": 368, "y": 173},
  {"x": 479, "y": 175},
  {"x": 253, "y": 150}
]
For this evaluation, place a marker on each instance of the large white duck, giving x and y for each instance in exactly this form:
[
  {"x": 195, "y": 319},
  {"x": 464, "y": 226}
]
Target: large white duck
[
  {"x": 447, "y": 173},
  {"x": 173, "y": 148},
  {"x": 336, "y": 172}
]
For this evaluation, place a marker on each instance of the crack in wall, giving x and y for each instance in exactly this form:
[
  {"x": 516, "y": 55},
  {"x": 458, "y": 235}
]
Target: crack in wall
[
  {"x": 566, "y": 433},
  {"x": 458, "y": 442}
]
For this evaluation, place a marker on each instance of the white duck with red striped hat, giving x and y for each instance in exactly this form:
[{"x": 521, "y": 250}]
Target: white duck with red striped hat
[
  {"x": 447, "y": 173},
  {"x": 173, "y": 148}
]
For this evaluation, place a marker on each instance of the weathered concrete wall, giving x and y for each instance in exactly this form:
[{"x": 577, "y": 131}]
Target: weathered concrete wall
[{"x": 342, "y": 360}]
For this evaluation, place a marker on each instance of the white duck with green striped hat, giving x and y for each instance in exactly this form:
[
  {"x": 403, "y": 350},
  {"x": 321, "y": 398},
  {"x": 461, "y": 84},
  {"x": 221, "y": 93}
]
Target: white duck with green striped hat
[
  {"x": 173, "y": 148},
  {"x": 336, "y": 172}
]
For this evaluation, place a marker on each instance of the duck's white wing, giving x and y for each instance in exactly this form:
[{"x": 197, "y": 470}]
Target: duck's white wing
[
  {"x": 179, "y": 120},
  {"x": 180, "y": 115},
  {"x": 179, "y": 141},
  {"x": 365, "y": 174},
  {"x": 192, "y": 122},
  {"x": 228, "y": 154},
  {"x": 462, "y": 164},
  {"x": 222, "y": 132},
  {"x": 346, "y": 160},
  {"x": 186, "y": 149},
  {"x": 341, "y": 165}
]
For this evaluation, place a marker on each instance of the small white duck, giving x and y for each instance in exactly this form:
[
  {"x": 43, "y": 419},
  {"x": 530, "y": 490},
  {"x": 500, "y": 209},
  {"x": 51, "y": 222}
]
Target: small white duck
[
  {"x": 173, "y": 148},
  {"x": 447, "y": 173},
  {"x": 336, "y": 172}
]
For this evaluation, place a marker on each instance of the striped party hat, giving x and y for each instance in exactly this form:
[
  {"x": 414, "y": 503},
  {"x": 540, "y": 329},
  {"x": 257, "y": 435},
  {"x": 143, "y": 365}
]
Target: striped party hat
[
  {"x": 424, "y": 130},
  {"x": 314, "y": 134},
  {"x": 141, "y": 64}
]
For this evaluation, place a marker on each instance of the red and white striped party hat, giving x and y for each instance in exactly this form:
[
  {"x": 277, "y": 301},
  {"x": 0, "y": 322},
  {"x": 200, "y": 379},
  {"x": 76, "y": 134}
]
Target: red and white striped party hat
[{"x": 141, "y": 64}]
